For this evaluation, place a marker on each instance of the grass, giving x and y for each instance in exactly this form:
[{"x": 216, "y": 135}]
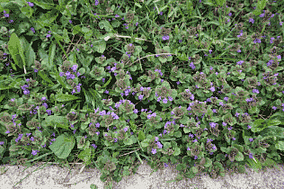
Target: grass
[{"x": 228, "y": 36}]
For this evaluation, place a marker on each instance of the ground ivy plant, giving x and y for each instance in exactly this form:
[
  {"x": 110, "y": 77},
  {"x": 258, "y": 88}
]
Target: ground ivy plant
[{"x": 195, "y": 83}]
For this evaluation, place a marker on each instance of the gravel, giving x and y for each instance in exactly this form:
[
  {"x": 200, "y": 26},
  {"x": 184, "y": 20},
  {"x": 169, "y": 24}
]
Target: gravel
[{"x": 56, "y": 177}]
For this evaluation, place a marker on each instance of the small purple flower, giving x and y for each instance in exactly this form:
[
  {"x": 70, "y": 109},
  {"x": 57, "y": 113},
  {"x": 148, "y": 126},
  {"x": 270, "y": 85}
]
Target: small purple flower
[
  {"x": 261, "y": 15},
  {"x": 34, "y": 152},
  {"x": 166, "y": 37},
  {"x": 33, "y": 30},
  {"x": 30, "y": 4}
]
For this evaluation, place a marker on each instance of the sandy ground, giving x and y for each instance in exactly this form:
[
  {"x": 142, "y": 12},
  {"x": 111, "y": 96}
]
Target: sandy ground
[{"x": 56, "y": 177}]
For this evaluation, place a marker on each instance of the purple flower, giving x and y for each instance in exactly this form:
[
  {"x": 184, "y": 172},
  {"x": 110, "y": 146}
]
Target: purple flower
[
  {"x": 165, "y": 101},
  {"x": 140, "y": 97},
  {"x": 255, "y": 91},
  {"x": 262, "y": 15},
  {"x": 74, "y": 67},
  {"x": 34, "y": 152},
  {"x": 166, "y": 37},
  {"x": 30, "y": 4}
]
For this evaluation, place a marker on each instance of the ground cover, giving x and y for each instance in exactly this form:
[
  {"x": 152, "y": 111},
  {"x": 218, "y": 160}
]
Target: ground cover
[{"x": 206, "y": 79}]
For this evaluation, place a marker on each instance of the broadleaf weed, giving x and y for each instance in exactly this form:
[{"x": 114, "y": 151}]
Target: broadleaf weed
[{"x": 177, "y": 83}]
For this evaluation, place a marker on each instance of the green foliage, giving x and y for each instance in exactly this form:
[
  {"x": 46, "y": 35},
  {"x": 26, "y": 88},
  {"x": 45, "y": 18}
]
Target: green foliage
[
  {"x": 259, "y": 7},
  {"x": 171, "y": 81}
]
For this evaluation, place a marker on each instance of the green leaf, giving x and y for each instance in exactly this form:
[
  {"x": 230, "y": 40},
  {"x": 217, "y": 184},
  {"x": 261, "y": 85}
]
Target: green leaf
[
  {"x": 253, "y": 110},
  {"x": 97, "y": 97},
  {"x": 177, "y": 151},
  {"x": 105, "y": 25},
  {"x": 273, "y": 122},
  {"x": 42, "y": 4},
  {"x": 259, "y": 7},
  {"x": 100, "y": 46},
  {"x": 194, "y": 170},
  {"x": 115, "y": 23},
  {"x": 278, "y": 115},
  {"x": 280, "y": 145},
  {"x": 51, "y": 53},
  {"x": 82, "y": 71},
  {"x": 85, "y": 156},
  {"x": 220, "y": 2},
  {"x": 258, "y": 122},
  {"x": 65, "y": 36},
  {"x": 45, "y": 77},
  {"x": 89, "y": 99},
  {"x": 27, "y": 11},
  {"x": 138, "y": 5},
  {"x": 145, "y": 143},
  {"x": 23, "y": 27},
  {"x": 65, "y": 97},
  {"x": 46, "y": 19},
  {"x": 258, "y": 125},
  {"x": 133, "y": 126},
  {"x": 254, "y": 163},
  {"x": 58, "y": 39},
  {"x": 2, "y": 97},
  {"x": 181, "y": 167},
  {"x": 176, "y": 29},
  {"x": 15, "y": 48},
  {"x": 59, "y": 79},
  {"x": 56, "y": 121},
  {"x": 141, "y": 135},
  {"x": 62, "y": 146},
  {"x": 106, "y": 84},
  {"x": 30, "y": 56},
  {"x": 186, "y": 130},
  {"x": 129, "y": 141},
  {"x": 239, "y": 157},
  {"x": 184, "y": 120},
  {"x": 261, "y": 4},
  {"x": 242, "y": 76},
  {"x": 87, "y": 32},
  {"x": 182, "y": 56}
]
